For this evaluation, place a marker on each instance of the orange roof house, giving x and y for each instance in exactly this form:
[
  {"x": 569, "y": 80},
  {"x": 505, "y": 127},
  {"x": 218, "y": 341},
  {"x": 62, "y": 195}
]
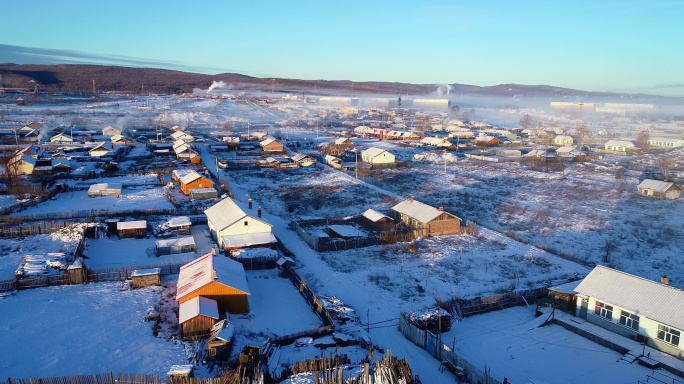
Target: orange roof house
[
  {"x": 194, "y": 180},
  {"x": 215, "y": 277}
]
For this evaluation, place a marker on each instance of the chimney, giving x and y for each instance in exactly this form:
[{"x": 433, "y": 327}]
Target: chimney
[
  {"x": 213, "y": 274},
  {"x": 259, "y": 211},
  {"x": 665, "y": 280},
  {"x": 441, "y": 207},
  {"x": 411, "y": 198},
  {"x": 250, "y": 203}
]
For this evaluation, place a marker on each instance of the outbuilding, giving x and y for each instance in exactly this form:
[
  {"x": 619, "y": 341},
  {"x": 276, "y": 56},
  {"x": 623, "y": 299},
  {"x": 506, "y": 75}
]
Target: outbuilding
[
  {"x": 141, "y": 278},
  {"x": 173, "y": 246},
  {"x": 424, "y": 220},
  {"x": 203, "y": 193},
  {"x": 374, "y": 155},
  {"x": 215, "y": 277},
  {"x": 197, "y": 316},
  {"x": 128, "y": 229}
]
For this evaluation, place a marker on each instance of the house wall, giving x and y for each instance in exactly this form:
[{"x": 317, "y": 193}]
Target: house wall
[
  {"x": 132, "y": 232},
  {"x": 648, "y": 328},
  {"x": 383, "y": 158},
  {"x": 444, "y": 225},
  {"x": 239, "y": 228},
  {"x": 202, "y": 182},
  {"x": 197, "y": 326},
  {"x": 273, "y": 147},
  {"x": 145, "y": 281},
  {"x": 672, "y": 193}
]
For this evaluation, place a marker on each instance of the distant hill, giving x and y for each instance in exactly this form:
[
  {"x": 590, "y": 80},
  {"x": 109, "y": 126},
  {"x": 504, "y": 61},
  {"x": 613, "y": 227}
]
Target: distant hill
[{"x": 78, "y": 78}]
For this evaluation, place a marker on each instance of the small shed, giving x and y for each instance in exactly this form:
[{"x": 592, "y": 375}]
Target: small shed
[
  {"x": 128, "y": 229},
  {"x": 376, "y": 221},
  {"x": 203, "y": 193},
  {"x": 197, "y": 316},
  {"x": 179, "y": 223},
  {"x": 77, "y": 272},
  {"x": 303, "y": 160},
  {"x": 105, "y": 189},
  {"x": 141, "y": 278},
  {"x": 563, "y": 296}
]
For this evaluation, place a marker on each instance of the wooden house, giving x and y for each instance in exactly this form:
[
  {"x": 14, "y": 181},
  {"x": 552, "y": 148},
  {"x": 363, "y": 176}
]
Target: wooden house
[
  {"x": 424, "y": 220},
  {"x": 60, "y": 165},
  {"x": 21, "y": 163},
  {"x": 232, "y": 228},
  {"x": 128, "y": 229},
  {"x": 376, "y": 221},
  {"x": 374, "y": 155},
  {"x": 105, "y": 189},
  {"x": 271, "y": 145},
  {"x": 563, "y": 296},
  {"x": 197, "y": 317},
  {"x": 646, "y": 311},
  {"x": 436, "y": 142},
  {"x": 486, "y": 141},
  {"x": 178, "y": 174},
  {"x": 141, "y": 278},
  {"x": 215, "y": 277},
  {"x": 333, "y": 161},
  {"x": 194, "y": 180},
  {"x": 659, "y": 189}
]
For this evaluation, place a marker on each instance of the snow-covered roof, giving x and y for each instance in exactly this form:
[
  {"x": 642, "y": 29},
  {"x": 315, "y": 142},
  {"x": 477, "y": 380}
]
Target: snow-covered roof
[
  {"x": 300, "y": 157},
  {"x": 330, "y": 158},
  {"x": 178, "y": 143},
  {"x": 103, "y": 186},
  {"x": 656, "y": 185},
  {"x": 417, "y": 210},
  {"x": 656, "y": 301},
  {"x": 374, "y": 216},
  {"x": 224, "y": 213},
  {"x": 180, "y": 173},
  {"x": 373, "y": 152},
  {"x": 346, "y": 230},
  {"x": 145, "y": 272},
  {"x": 179, "y": 221},
  {"x": 203, "y": 190},
  {"x": 435, "y": 141},
  {"x": 200, "y": 272},
  {"x": 137, "y": 224},
  {"x": 619, "y": 143},
  {"x": 190, "y": 177},
  {"x": 249, "y": 239},
  {"x": 178, "y": 242},
  {"x": 197, "y": 306},
  {"x": 266, "y": 142},
  {"x": 342, "y": 140}
]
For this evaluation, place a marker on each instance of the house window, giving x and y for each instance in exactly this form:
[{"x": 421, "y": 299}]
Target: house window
[
  {"x": 629, "y": 320},
  {"x": 604, "y": 310},
  {"x": 246, "y": 223},
  {"x": 668, "y": 335}
]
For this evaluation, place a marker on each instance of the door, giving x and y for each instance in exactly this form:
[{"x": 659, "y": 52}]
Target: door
[
  {"x": 431, "y": 343},
  {"x": 583, "y": 308}
]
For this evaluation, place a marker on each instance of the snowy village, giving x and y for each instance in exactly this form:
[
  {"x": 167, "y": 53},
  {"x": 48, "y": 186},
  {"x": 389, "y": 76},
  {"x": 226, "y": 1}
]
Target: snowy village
[{"x": 224, "y": 236}]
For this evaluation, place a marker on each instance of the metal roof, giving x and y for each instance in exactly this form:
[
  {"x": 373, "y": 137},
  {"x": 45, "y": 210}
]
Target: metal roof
[
  {"x": 656, "y": 301},
  {"x": 224, "y": 214},
  {"x": 656, "y": 185},
  {"x": 199, "y": 272},
  {"x": 137, "y": 224},
  {"x": 373, "y": 152},
  {"x": 190, "y": 177},
  {"x": 374, "y": 216}
]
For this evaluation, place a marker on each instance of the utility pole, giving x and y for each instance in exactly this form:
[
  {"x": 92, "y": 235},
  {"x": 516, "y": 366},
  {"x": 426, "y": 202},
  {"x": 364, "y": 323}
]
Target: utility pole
[{"x": 93, "y": 87}]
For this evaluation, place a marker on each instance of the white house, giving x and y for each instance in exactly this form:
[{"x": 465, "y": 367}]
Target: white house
[
  {"x": 436, "y": 142},
  {"x": 102, "y": 149},
  {"x": 563, "y": 140},
  {"x": 644, "y": 310},
  {"x": 62, "y": 138},
  {"x": 657, "y": 188},
  {"x": 232, "y": 228},
  {"x": 618, "y": 145},
  {"x": 374, "y": 155},
  {"x": 662, "y": 142}
]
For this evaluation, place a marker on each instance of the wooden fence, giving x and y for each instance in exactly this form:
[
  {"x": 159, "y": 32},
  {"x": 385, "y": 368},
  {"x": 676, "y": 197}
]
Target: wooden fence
[
  {"x": 94, "y": 213},
  {"x": 310, "y": 297},
  {"x": 240, "y": 376},
  {"x": 433, "y": 344}
]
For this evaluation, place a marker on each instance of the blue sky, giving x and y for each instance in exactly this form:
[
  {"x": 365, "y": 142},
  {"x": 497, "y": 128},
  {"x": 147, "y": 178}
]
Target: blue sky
[{"x": 620, "y": 46}]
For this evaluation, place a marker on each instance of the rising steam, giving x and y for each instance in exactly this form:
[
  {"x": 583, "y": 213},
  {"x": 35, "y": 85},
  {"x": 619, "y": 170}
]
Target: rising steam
[{"x": 217, "y": 84}]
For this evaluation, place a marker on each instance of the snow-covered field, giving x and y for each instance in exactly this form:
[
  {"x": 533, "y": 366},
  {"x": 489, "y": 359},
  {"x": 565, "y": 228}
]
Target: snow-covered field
[{"x": 588, "y": 213}]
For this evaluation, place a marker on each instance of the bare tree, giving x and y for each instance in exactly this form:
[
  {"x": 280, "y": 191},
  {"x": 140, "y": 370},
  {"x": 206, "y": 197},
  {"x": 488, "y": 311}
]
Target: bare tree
[
  {"x": 641, "y": 140},
  {"x": 666, "y": 163},
  {"x": 526, "y": 122},
  {"x": 582, "y": 130}
]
